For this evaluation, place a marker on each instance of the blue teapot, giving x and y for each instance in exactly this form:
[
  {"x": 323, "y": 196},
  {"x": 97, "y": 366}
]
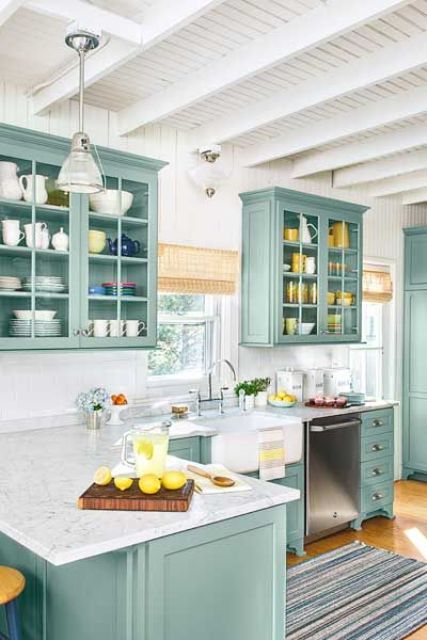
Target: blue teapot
[{"x": 129, "y": 247}]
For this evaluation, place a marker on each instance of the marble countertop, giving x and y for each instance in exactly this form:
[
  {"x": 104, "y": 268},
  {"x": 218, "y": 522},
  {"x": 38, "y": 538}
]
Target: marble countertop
[
  {"x": 43, "y": 472},
  {"x": 311, "y": 413}
]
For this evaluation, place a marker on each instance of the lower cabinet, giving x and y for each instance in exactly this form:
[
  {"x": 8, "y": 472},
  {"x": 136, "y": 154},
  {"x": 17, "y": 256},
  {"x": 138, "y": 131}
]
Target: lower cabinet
[
  {"x": 377, "y": 466},
  {"x": 194, "y": 448}
]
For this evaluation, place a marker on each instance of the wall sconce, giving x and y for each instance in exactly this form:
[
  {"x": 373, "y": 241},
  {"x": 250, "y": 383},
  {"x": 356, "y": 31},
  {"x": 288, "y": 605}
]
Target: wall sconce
[{"x": 208, "y": 174}]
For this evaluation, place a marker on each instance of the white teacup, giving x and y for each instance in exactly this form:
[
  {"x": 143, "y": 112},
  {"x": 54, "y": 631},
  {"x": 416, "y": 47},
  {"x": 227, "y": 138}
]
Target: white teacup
[
  {"x": 99, "y": 328},
  {"x": 40, "y": 237},
  {"x": 117, "y": 328},
  {"x": 134, "y": 328},
  {"x": 11, "y": 233}
]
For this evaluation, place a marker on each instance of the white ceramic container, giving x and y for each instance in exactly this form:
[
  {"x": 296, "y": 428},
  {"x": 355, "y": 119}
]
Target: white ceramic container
[
  {"x": 111, "y": 202},
  {"x": 9, "y": 183}
]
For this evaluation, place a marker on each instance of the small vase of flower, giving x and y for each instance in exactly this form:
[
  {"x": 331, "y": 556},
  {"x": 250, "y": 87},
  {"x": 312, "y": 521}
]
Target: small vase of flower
[{"x": 95, "y": 406}]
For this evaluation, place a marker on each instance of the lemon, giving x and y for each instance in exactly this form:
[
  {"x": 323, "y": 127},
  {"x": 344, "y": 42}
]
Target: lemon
[
  {"x": 102, "y": 476},
  {"x": 174, "y": 479},
  {"x": 145, "y": 449},
  {"x": 123, "y": 483},
  {"x": 149, "y": 483}
]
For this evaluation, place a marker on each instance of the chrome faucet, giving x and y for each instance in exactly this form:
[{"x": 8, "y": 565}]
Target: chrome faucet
[
  {"x": 196, "y": 392},
  {"x": 212, "y": 369}
]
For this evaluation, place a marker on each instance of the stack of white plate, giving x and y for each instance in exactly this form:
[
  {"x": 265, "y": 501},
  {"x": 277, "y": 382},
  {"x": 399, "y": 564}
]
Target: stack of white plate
[
  {"x": 9, "y": 283},
  {"x": 42, "y": 328},
  {"x": 51, "y": 284}
]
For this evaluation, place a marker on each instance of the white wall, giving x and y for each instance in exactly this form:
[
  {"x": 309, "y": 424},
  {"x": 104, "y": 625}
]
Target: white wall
[{"x": 48, "y": 383}]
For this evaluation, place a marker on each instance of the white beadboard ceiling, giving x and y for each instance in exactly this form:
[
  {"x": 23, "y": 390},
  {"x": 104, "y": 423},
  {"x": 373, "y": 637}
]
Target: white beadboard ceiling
[{"x": 33, "y": 54}]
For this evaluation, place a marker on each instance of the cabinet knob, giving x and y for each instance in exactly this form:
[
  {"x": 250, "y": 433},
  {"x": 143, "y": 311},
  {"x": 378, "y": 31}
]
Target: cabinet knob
[
  {"x": 76, "y": 332},
  {"x": 377, "y": 472},
  {"x": 377, "y": 423},
  {"x": 377, "y": 496},
  {"x": 377, "y": 447}
]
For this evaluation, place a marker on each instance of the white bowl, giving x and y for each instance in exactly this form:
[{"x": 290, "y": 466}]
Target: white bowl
[
  {"x": 286, "y": 267},
  {"x": 108, "y": 202},
  {"x": 42, "y": 314},
  {"x": 305, "y": 328}
]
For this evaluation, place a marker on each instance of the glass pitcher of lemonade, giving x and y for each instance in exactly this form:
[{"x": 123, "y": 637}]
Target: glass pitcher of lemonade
[{"x": 150, "y": 449}]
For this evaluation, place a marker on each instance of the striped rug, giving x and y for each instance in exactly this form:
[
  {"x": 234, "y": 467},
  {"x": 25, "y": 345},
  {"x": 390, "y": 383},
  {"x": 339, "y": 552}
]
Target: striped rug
[{"x": 356, "y": 592}]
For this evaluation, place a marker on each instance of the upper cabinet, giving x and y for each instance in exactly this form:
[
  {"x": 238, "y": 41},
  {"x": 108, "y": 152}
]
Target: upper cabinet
[
  {"x": 302, "y": 262},
  {"x": 76, "y": 272},
  {"x": 415, "y": 258}
]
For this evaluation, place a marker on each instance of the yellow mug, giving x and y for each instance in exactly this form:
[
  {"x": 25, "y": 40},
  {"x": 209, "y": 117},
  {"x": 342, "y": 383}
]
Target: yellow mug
[
  {"x": 291, "y": 326},
  {"x": 96, "y": 241},
  {"x": 298, "y": 262},
  {"x": 291, "y": 234}
]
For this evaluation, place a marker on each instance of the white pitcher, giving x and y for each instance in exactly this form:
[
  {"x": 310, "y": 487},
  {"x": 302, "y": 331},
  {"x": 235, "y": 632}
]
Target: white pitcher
[
  {"x": 9, "y": 183},
  {"x": 306, "y": 236},
  {"x": 34, "y": 188}
]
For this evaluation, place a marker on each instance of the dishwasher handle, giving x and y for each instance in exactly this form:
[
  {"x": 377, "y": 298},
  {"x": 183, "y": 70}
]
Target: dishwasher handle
[{"x": 337, "y": 425}]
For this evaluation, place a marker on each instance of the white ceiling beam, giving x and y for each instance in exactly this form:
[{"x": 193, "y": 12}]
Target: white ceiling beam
[
  {"x": 8, "y": 8},
  {"x": 377, "y": 67},
  {"x": 162, "y": 20},
  {"x": 381, "y": 169},
  {"x": 307, "y": 31},
  {"x": 91, "y": 17},
  {"x": 415, "y": 197},
  {"x": 391, "y": 186},
  {"x": 352, "y": 153},
  {"x": 406, "y": 105}
]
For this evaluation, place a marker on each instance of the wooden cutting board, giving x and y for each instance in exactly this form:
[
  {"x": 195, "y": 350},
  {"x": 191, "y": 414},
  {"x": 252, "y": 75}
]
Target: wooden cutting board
[{"x": 109, "y": 498}]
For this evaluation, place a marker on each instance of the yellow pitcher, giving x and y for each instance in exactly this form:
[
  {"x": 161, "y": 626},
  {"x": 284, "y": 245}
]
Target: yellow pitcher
[{"x": 341, "y": 235}]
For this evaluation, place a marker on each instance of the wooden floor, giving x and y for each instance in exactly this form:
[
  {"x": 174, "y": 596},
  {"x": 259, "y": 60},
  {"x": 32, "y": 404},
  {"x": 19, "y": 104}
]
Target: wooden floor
[{"x": 406, "y": 535}]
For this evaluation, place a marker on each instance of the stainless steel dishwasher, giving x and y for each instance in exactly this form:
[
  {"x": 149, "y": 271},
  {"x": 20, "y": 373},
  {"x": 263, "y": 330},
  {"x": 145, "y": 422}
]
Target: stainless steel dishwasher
[{"x": 333, "y": 474}]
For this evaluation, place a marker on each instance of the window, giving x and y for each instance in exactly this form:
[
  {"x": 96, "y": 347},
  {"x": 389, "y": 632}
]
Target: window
[
  {"x": 187, "y": 336},
  {"x": 367, "y": 359}
]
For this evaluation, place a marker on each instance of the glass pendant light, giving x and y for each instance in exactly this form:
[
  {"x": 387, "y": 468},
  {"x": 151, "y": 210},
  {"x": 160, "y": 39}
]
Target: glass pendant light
[
  {"x": 208, "y": 174},
  {"x": 79, "y": 172}
]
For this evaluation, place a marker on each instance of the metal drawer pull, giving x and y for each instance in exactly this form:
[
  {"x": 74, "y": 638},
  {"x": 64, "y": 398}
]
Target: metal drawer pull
[
  {"x": 377, "y": 447},
  {"x": 76, "y": 332},
  {"x": 337, "y": 425},
  {"x": 377, "y": 423},
  {"x": 377, "y": 472},
  {"x": 377, "y": 496}
]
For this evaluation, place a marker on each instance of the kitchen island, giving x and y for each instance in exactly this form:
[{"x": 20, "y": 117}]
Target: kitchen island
[{"x": 216, "y": 571}]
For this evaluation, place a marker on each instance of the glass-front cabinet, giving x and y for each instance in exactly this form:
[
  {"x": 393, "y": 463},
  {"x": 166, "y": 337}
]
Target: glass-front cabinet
[
  {"x": 76, "y": 272},
  {"x": 301, "y": 268}
]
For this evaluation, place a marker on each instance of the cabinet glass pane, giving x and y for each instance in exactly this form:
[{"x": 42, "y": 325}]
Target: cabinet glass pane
[
  {"x": 343, "y": 278},
  {"x": 300, "y": 259},
  {"x": 117, "y": 261}
]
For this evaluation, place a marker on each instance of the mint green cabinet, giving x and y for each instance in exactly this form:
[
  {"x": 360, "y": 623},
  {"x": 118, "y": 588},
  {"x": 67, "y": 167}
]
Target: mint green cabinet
[
  {"x": 61, "y": 281},
  {"x": 414, "y": 426},
  {"x": 301, "y": 268}
]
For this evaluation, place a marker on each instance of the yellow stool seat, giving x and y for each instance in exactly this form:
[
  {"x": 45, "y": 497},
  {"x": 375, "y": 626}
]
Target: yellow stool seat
[{"x": 12, "y": 583}]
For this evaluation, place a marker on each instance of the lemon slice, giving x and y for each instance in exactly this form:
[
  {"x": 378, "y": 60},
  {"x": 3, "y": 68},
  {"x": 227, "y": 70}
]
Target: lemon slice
[
  {"x": 145, "y": 449},
  {"x": 102, "y": 476},
  {"x": 123, "y": 483}
]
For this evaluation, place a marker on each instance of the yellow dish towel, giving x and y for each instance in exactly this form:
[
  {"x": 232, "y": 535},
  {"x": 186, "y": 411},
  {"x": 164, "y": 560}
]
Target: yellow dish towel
[{"x": 271, "y": 454}]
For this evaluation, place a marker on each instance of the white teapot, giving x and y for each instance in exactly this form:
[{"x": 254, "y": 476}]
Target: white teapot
[
  {"x": 306, "y": 236},
  {"x": 60, "y": 240}
]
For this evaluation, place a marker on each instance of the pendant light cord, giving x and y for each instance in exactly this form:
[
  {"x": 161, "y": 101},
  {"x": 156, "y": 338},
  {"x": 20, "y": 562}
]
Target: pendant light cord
[{"x": 81, "y": 88}]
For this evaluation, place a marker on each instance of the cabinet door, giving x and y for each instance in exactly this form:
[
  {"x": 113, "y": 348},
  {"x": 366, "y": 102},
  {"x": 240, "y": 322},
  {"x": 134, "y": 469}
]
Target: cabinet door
[
  {"x": 39, "y": 306},
  {"x": 415, "y": 382},
  {"x": 294, "y": 510},
  {"x": 342, "y": 300},
  {"x": 186, "y": 448},
  {"x": 416, "y": 261},
  {"x": 119, "y": 264}
]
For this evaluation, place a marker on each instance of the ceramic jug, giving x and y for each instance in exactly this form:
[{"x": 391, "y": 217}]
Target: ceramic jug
[
  {"x": 9, "y": 183},
  {"x": 129, "y": 247},
  {"x": 34, "y": 188},
  {"x": 306, "y": 236},
  {"x": 60, "y": 240}
]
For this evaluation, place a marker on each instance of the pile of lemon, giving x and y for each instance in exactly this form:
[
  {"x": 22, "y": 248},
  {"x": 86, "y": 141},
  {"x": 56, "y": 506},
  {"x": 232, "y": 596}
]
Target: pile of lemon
[
  {"x": 148, "y": 483},
  {"x": 282, "y": 396}
]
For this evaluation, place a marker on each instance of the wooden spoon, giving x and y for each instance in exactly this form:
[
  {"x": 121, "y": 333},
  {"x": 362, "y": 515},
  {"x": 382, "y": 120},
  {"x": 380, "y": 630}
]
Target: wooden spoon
[{"x": 219, "y": 481}]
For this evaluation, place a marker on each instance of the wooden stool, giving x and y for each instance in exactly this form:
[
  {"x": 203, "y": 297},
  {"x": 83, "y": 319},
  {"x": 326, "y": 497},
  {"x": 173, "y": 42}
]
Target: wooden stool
[{"x": 12, "y": 583}]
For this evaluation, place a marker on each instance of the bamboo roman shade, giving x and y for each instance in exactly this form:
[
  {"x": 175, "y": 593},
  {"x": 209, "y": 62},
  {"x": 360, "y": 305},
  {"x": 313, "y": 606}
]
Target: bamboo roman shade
[
  {"x": 377, "y": 286},
  {"x": 185, "y": 269}
]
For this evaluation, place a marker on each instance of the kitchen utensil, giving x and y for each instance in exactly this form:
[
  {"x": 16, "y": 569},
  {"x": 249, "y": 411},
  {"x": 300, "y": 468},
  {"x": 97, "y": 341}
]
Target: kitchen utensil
[
  {"x": 298, "y": 261},
  {"x": 310, "y": 265},
  {"x": 306, "y": 236},
  {"x": 97, "y": 241},
  {"x": 312, "y": 293},
  {"x": 286, "y": 267},
  {"x": 331, "y": 238},
  {"x": 111, "y": 499},
  {"x": 134, "y": 328},
  {"x": 111, "y": 202},
  {"x": 9, "y": 183},
  {"x": 34, "y": 188},
  {"x": 11, "y": 233},
  {"x": 290, "y": 326},
  {"x": 291, "y": 234},
  {"x": 97, "y": 291},
  {"x": 219, "y": 481},
  {"x": 60, "y": 240},
  {"x": 290, "y": 381},
  {"x": 37, "y": 236},
  {"x": 39, "y": 314},
  {"x": 150, "y": 449},
  {"x": 282, "y": 403},
  {"x": 344, "y": 298},
  {"x": 100, "y": 328},
  {"x": 129, "y": 247},
  {"x": 116, "y": 328},
  {"x": 9, "y": 283},
  {"x": 305, "y": 328},
  {"x": 331, "y": 298},
  {"x": 341, "y": 234}
]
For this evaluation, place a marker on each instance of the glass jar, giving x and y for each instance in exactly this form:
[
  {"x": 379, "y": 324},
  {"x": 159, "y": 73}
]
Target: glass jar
[
  {"x": 302, "y": 293},
  {"x": 291, "y": 292},
  {"x": 312, "y": 293}
]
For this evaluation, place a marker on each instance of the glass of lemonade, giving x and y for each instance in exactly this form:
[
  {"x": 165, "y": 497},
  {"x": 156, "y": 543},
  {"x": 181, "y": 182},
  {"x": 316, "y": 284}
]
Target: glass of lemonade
[{"x": 150, "y": 449}]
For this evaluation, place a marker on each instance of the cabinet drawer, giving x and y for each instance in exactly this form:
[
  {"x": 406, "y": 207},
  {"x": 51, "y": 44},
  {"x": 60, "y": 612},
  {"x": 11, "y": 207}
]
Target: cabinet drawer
[
  {"x": 377, "y": 496},
  {"x": 377, "y": 471},
  {"x": 377, "y": 422},
  {"x": 376, "y": 447}
]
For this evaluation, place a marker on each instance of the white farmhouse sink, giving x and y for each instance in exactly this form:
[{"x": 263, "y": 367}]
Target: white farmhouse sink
[{"x": 236, "y": 445}]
